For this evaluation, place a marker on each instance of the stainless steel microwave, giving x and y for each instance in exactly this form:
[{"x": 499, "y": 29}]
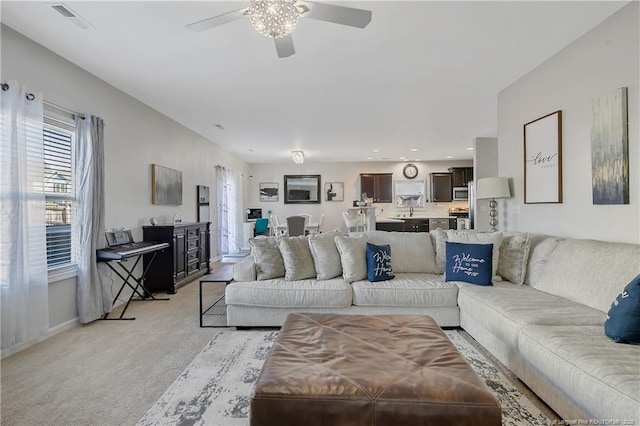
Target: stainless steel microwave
[{"x": 460, "y": 193}]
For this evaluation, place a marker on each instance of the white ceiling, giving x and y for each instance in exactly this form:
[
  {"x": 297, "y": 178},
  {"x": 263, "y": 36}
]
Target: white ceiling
[{"x": 422, "y": 75}]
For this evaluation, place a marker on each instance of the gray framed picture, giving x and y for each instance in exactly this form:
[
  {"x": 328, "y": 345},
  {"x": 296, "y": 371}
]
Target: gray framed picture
[
  {"x": 610, "y": 148},
  {"x": 334, "y": 191},
  {"x": 166, "y": 185},
  {"x": 269, "y": 191}
]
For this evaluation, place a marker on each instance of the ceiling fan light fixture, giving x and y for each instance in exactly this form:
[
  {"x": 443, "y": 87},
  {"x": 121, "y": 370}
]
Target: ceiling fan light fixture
[
  {"x": 297, "y": 157},
  {"x": 273, "y": 18}
]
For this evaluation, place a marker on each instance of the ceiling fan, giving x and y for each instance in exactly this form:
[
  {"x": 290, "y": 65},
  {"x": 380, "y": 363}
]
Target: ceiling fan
[{"x": 278, "y": 18}]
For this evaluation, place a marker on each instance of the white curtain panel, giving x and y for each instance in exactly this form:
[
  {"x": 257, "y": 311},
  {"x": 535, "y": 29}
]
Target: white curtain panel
[
  {"x": 23, "y": 249},
  {"x": 229, "y": 201},
  {"x": 93, "y": 293}
]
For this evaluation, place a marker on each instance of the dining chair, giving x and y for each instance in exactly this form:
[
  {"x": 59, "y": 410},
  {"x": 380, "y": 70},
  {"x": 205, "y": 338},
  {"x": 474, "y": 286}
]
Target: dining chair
[
  {"x": 314, "y": 228},
  {"x": 261, "y": 227},
  {"x": 354, "y": 222},
  {"x": 295, "y": 225},
  {"x": 279, "y": 229}
]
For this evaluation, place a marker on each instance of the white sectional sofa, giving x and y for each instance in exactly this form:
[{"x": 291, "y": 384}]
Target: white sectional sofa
[{"x": 549, "y": 331}]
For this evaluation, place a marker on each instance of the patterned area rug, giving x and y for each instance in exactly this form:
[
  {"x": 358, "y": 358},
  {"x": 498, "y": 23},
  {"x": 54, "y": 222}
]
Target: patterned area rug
[{"x": 215, "y": 387}]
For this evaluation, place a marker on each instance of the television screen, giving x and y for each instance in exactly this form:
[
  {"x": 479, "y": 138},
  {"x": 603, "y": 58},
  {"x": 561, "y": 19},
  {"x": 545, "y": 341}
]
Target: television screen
[{"x": 254, "y": 214}]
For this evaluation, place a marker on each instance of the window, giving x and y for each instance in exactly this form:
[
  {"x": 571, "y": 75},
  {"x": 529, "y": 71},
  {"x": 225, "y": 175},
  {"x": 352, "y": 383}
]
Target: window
[{"x": 59, "y": 188}]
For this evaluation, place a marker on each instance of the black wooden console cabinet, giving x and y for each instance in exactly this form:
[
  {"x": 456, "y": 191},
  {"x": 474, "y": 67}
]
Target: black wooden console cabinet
[{"x": 186, "y": 258}]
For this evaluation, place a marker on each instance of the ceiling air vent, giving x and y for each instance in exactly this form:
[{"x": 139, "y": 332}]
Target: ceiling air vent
[{"x": 66, "y": 11}]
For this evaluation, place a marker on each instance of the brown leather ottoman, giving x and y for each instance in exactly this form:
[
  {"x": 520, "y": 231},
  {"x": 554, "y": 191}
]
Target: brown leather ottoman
[{"x": 368, "y": 370}]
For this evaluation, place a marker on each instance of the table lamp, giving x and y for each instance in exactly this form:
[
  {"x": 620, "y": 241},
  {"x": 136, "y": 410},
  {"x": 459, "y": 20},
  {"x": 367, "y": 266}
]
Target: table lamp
[{"x": 490, "y": 189}]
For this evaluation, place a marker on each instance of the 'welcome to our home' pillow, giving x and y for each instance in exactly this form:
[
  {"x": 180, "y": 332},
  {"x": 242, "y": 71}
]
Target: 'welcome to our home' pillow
[
  {"x": 623, "y": 320},
  {"x": 470, "y": 263},
  {"x": 379, "y": 263}
]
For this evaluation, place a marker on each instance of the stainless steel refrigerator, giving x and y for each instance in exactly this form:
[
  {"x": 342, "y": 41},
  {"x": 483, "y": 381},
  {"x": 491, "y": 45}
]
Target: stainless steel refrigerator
[{"x": 472, "y": 204}]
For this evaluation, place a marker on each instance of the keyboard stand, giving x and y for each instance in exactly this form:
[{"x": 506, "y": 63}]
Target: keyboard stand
[{"x": 144, "y": 296}]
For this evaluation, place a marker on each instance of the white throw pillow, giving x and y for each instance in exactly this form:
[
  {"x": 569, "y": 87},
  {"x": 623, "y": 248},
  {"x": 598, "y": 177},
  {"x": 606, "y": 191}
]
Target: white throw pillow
[
  {"x": 473, "y": 237},
  {"x": 325, "y": 254},
  {"x": 514, "y": 254},
  {"x": 353, "y": 257},
  {"x": 298, "y": 263},
  {"x": 266, "y": 255}
]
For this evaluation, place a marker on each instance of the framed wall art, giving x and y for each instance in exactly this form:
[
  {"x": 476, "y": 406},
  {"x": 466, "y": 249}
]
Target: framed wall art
[
  {"x": 166, "y": 185},
  {"x": 543, "y": 159},
  {"x": 610, "y": 148},
  {"x": 302, "y": 189},
  {"x": 334, "y": 191},
  {"x": 203, "y": 203},
  {"x": 269, "y": 191}
]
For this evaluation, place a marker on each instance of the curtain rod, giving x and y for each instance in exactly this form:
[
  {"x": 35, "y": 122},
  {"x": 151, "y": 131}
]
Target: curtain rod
[{"x": 51, "y": 104}]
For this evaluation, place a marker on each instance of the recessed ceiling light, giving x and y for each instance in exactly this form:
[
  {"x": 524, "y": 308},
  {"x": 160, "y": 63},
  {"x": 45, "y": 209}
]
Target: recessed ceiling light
[
  {"x": 414, "y": 149},
  {"x": 403, "y": 158},
  {"x": 417, "y": 159},
  {"x": 449, "y": 156},
  {"x": 369, "y": 158},
  {"x": 376, "y": 150},
  {"x": 470, "y": 148}
]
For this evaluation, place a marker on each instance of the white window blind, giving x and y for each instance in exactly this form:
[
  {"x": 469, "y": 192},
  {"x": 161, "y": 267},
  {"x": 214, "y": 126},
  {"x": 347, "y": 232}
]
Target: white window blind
[{"x": 59, "y": 191}]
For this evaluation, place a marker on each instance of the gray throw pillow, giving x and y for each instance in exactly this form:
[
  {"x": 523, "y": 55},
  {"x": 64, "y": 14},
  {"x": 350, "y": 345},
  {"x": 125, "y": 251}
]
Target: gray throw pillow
[
  {"x": 298, "y": 263},
  {"x": 326, "y": 256},
  {"x": 439, "y": 239},
  {"x": 353, "y": 256},
  {"x": 267, "y": 257},
  {"x": 514, "y": 253}
]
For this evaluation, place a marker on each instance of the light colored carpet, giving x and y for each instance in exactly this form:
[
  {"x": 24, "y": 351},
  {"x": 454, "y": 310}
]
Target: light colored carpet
[
  {"x": 107, "y": 372},
  {"x": 215, "y": 388}
]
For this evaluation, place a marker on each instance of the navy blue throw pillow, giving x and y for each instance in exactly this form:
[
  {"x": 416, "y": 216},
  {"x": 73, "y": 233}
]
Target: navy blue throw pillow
[
  {"x": 623, "y": 319},
  {"x": 379, "y": 263},
  {"x": 471, "y": 263}
]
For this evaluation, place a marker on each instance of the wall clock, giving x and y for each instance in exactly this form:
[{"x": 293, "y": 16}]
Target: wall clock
[{"x": 410, "y": 171}]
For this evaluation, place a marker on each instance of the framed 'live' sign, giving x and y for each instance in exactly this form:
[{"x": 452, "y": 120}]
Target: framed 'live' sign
[{"x": 543, "y": 159}]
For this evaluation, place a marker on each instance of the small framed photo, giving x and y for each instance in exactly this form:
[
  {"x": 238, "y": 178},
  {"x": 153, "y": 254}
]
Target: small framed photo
[
  {"x": 334, "y": 191},
  {"x": 269, "y": 191}
]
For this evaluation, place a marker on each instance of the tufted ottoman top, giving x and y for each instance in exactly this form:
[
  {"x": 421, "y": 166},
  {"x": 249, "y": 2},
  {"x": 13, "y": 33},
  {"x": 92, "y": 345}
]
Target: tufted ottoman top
[{"x": 368, "y": 370}]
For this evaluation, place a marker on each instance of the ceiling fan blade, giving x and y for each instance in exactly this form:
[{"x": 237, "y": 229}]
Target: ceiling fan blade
[
  {"x": 216, "y": 21},
  {"x": 342, "y": 15},
  {"x": 284, "y": 46}
]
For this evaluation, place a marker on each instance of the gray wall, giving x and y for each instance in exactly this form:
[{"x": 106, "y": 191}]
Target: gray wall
[
  {"x": 136, "y": 136},
  {"x": 601, "y": 61}
]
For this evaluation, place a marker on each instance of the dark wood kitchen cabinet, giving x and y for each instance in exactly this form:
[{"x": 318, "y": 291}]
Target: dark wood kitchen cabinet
[
  {"x": 186, "y": 258},
  {"x": 441, "y": 187},
  {"x": 378, "y": 186},
  {"x": 461, "y": 176}
]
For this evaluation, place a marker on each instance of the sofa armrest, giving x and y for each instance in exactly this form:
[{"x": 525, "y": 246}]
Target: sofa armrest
[{"x": 245, "y": 270}]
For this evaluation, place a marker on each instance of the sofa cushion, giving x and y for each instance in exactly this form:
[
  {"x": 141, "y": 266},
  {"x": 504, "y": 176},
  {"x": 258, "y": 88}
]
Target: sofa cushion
[
  {"x": 475, "y": 237},
  {"x": 514, "y": 254},
  {"x": 290, "y": 294},
  {"x": 326, "y": 256},
  {"x": 439, "y": 238},
  {"x": 470, "y": 263},
  {"x": 425, "y": 290},
  {"x": 353, "y": 257},
  {"x": 506, "y": 308},
  {"x": 379, "y": 262},
  {"x": 267, "y": 256},
  {"x": 590, "y": 272},
  {"x": 298, "y": 263},
  {"x": 412, "y": 251},
  {"x": 599, "y": 374},
  {"x": 623, "y": 319}
]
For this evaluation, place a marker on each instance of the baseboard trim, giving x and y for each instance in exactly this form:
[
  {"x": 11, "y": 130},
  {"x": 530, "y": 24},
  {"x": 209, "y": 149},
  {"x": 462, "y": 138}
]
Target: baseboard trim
[{"x": 68, "y": 325}]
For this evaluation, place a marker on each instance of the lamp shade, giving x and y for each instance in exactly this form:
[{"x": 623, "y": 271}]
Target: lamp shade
[{"x": 493, "y": 187}]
